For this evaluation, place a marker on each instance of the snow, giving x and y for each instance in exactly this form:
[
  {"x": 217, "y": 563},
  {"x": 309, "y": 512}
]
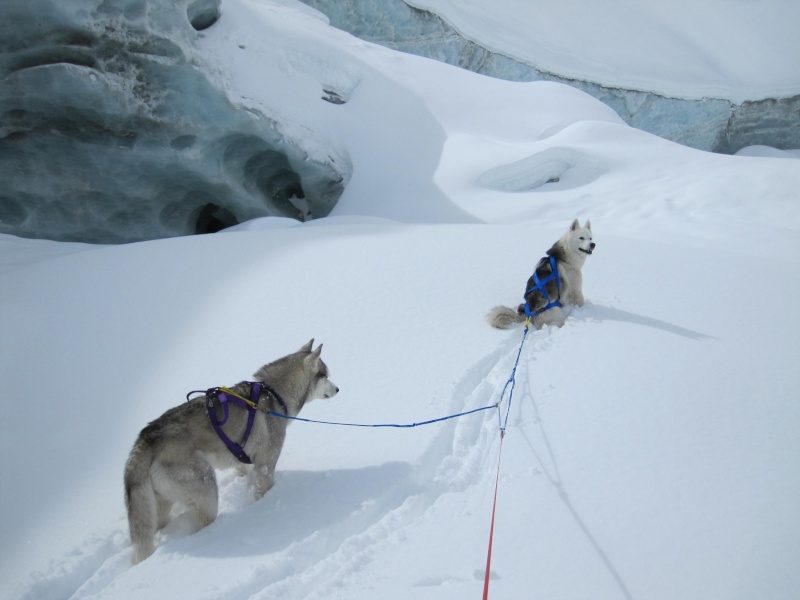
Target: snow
[
  {"x": 652, "y": 448},
  {"x": 737, "y": 51}
]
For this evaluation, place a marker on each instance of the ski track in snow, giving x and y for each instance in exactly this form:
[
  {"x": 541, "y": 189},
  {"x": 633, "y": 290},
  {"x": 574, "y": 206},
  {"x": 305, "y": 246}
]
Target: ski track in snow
[
  {"x": 337, "y": 540},
  {"x": 462, "y": 455}
]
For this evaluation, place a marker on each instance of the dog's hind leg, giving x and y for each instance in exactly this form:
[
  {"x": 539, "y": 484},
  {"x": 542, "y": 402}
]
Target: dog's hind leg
[
  {"x": 191, "y": 481},
  {"x": 164, "y": 507},
  {"x": 552, "y": 316}
]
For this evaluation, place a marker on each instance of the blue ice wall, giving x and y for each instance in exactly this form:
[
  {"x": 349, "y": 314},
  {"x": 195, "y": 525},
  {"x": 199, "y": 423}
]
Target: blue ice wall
[
  {"x": 110, "y": 133},
  {"x": 709, "y": 124}
]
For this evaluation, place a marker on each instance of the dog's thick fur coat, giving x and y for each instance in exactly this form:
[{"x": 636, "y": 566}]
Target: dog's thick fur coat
[
  {"x": 174, "y": 457},
  {"x": 569, "y": 252}
]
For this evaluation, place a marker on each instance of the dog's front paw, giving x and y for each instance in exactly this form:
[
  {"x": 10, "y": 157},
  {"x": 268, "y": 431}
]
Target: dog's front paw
[{"x": 264, "y": 480}]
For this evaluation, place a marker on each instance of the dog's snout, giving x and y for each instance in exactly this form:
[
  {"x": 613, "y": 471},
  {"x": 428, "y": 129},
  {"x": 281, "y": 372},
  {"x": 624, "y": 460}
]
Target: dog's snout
[{"x": 592, "y": 245}]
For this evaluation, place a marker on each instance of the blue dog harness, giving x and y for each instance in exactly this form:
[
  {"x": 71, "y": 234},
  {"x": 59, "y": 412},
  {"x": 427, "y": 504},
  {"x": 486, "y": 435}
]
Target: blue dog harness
[
  {"x": 225, "y": 397},
  {"x": 540, "y": 285}
]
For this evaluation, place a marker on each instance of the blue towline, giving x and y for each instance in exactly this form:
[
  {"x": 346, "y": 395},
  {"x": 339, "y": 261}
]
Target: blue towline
[
  {"x": 503, "y": 422},
  {"x": 220, "y": 393},
  {"x": 398, "y": 425}
]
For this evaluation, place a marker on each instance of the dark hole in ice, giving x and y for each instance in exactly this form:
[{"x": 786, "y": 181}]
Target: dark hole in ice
[
  {"x": 203, "y": 14},
  {"x": 12, "y": 213},
  {"x": 269, "y": 170},
  {"x": 212, "y": 218}
]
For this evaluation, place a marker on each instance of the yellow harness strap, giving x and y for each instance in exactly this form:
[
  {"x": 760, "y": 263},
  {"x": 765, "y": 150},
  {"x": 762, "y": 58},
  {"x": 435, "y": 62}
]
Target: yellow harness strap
[{"x": 245, "y": 400}]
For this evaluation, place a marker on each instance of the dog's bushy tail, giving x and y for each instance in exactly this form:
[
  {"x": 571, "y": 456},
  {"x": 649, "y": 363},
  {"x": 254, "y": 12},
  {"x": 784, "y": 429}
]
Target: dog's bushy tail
[
  {"x": 140, "y": 500},
  {"x": 504, "y": 317}
]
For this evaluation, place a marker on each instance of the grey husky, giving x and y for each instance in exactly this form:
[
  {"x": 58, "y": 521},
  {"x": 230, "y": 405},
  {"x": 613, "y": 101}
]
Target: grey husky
[
  {"x": 556, "y": 282},
  {"x": 174, "y": 457}
]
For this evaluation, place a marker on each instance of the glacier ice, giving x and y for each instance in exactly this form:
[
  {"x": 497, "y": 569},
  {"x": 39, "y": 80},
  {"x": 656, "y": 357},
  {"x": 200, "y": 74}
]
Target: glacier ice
[
  {"x": 110, "y": 132},
  {"x": 709, "y": 124},
  {"x": 551, "y": 169}
]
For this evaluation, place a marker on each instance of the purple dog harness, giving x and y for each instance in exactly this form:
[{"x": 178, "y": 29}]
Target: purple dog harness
[{"x": 227, "y": 397}]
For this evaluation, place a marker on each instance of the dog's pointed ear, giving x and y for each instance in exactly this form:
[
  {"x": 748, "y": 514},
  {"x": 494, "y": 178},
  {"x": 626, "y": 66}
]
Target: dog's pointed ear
[
  {"x": 575, "y": 225},
  {"x": 312, "y": 360},
  {"x": 308, "y": 346},
  {"x": 588, "y": 224}
]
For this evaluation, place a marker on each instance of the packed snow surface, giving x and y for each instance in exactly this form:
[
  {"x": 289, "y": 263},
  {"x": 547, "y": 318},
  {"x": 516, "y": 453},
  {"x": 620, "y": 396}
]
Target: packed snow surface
[{"x": 652, "y": 448}]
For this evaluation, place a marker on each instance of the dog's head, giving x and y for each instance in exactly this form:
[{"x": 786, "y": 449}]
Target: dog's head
[
  {"x": 317, "y": 371},
  {"x": 579, "y": 238},
  {"x": 299, "y": 377}
]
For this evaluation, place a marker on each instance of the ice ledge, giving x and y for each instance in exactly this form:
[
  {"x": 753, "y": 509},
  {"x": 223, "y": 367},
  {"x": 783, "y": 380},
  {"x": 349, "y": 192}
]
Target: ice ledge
[
  {"x": 706, "y": 123},
  {"x": 734, "y": 51}
]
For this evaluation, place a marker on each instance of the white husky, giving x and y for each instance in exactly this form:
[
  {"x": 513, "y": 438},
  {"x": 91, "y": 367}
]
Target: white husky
[
  {"x": 174, "y": 457},
  {"x": 556, "y": 282}
]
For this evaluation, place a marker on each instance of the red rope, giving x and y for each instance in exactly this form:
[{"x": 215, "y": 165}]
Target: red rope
[{"x": 491, "y": 530}]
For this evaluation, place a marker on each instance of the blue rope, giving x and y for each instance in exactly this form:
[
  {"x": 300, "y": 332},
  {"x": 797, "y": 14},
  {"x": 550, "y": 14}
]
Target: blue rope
[
  {"x": 503, "y": 422},
  {"x": 512, "y": 381},
  {"x": 400, "y": 425}
]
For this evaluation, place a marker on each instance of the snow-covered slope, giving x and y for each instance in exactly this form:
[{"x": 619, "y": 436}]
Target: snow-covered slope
[{"x": 652, "y": 447}]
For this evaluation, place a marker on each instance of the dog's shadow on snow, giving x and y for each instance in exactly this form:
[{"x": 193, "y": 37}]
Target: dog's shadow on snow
[
  {"x": 595, "y": 312},
  {"x": 545, "y": 455},
  {"x": 329, "y": 504}
]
